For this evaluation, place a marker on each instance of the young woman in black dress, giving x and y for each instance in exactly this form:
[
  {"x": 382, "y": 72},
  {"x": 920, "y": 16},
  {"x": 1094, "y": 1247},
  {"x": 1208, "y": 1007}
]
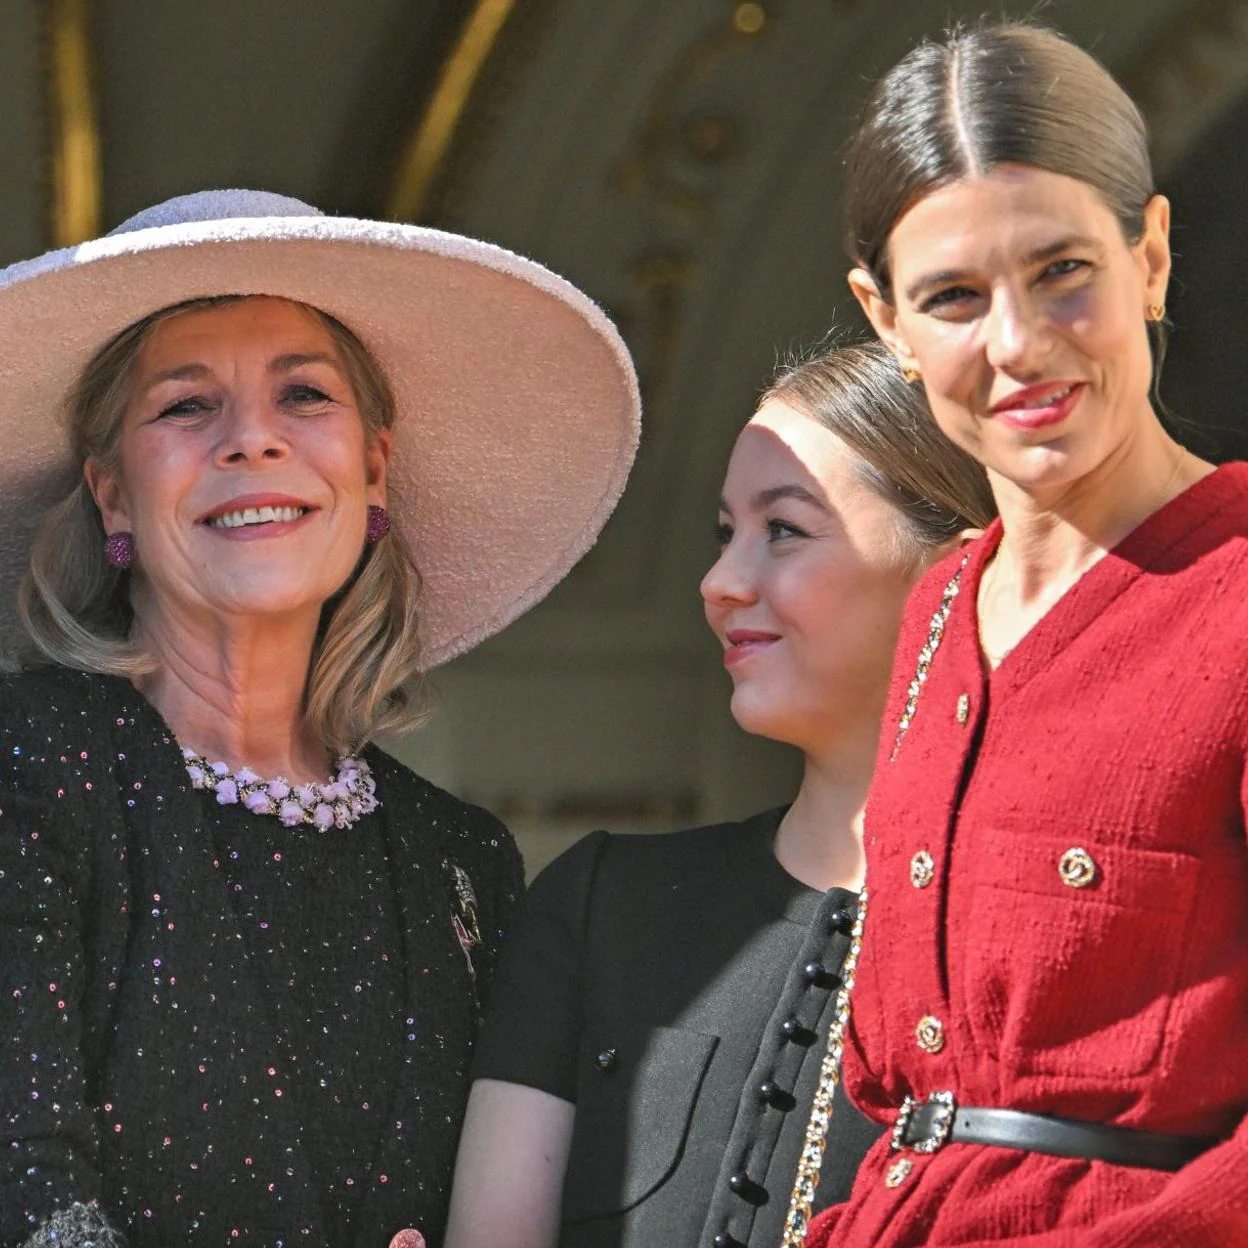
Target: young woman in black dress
[{"x": 648, "y": 1066}]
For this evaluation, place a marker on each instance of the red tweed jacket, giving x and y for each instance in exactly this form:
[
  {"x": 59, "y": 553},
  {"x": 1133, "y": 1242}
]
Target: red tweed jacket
[{"x": 1058, "y": 915}]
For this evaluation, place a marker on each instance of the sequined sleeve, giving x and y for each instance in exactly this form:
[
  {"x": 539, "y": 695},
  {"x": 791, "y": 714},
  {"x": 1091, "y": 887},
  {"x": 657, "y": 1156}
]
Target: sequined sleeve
[{"x": 49, "y": 1180}]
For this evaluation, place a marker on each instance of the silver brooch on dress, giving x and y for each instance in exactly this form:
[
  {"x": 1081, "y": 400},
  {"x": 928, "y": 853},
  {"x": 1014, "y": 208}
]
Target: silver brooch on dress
[{"x": 464, "y": 915}]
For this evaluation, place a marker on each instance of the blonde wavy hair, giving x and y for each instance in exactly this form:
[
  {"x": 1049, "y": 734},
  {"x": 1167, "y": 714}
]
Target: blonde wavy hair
[{"x": 77, "y": 609}]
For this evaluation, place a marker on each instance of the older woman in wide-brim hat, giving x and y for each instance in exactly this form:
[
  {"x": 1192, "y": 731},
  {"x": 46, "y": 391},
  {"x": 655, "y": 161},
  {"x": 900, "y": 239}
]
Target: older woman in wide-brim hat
[{"x": 302, "y": 460}]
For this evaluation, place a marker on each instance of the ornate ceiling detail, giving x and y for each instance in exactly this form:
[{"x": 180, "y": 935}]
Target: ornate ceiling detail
[
  {"x": 73, "y": 136},
  {"x": 426, "y": 149},
  {"x": 677, "y": 163},
  {"x": 501, "y": 71}
]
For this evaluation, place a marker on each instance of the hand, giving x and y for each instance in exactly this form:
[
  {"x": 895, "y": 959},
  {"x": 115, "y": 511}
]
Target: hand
[{"x": 408, "y": 1238}]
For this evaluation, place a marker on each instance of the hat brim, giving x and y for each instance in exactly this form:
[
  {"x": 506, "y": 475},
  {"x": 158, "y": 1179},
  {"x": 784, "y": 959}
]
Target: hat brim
[{"x": 518, "y": 410}]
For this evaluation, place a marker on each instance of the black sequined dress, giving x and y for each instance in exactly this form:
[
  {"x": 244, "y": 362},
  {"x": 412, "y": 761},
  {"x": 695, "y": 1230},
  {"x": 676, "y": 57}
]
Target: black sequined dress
[{"x": 215, "y": 1029}]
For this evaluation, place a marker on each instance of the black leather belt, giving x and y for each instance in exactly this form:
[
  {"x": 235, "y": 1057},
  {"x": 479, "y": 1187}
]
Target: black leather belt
[{"x": 926, "y": 1126}]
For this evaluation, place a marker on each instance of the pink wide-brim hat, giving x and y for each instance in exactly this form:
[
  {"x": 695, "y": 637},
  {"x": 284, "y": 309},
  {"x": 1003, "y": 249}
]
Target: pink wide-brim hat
[{"x": 518, "y": 411}]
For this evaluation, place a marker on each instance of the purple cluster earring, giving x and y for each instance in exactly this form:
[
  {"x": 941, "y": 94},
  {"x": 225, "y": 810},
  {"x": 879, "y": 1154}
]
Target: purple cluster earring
[
  {"x": 378, "y": 524},
  {"x": 119, "y": 549}
]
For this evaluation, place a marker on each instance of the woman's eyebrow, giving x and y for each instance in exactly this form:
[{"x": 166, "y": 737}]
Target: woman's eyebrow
[
  {"x": 1065, "y": 243},
  {"x": 279, "y": 364},
  {"x": 297, "y": 359},
  {"x": 180, "y": 372},
  {"x": 947, "y": 277},
  {"x": 799, "y": 492}
]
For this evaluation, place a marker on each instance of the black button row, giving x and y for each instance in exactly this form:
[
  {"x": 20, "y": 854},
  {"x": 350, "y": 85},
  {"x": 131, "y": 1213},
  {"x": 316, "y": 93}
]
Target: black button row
[{"x": 771, "y": 1093}]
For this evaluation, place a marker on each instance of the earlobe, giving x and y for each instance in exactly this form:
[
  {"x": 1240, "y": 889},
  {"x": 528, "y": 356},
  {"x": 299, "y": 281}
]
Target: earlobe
[
  {"x": 376, "y": 462},
  {"x": 956, "y": 542},
  {"x": 930, "y": 556},
  {"x": 1153, "y": 251},
  {"x": 109, "y": 497},
  {"x": 883, "y": 317}
]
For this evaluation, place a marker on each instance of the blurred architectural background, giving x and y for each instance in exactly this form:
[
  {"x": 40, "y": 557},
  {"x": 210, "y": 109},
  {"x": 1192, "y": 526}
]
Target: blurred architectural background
[{"x": 680, "y": 160}]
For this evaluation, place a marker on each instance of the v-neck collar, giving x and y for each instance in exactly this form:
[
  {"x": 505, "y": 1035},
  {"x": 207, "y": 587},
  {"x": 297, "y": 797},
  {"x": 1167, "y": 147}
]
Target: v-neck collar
[{"x": 1142, "y": 550}]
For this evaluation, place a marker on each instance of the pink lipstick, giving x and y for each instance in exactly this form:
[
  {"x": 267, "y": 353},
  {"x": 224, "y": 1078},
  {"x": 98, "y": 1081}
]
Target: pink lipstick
[
  {"x": 744, "y": 642},
  {"x": 1038, "y": 407}
]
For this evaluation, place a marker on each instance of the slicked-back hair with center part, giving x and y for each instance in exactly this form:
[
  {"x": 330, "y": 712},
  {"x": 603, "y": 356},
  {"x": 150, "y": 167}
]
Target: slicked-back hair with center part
[
  {"x": 987, "y": 95},
  {"x": 994, "y": 94}
]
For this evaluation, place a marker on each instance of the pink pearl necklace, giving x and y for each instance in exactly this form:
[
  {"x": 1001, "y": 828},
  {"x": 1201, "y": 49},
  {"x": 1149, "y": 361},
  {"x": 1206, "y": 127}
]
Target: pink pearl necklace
[{"x": 338, "y": 804}]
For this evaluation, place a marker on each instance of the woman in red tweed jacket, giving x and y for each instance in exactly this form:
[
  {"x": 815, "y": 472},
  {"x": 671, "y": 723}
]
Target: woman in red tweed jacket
[{"x": 1051, "y": 1004}]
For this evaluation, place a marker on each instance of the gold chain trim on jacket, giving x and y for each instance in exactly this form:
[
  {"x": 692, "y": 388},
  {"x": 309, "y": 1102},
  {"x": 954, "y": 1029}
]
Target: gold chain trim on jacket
[{"x": 935, "y": 632}]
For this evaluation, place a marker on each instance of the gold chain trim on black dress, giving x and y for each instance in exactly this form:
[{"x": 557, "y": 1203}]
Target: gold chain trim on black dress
[{"x": 811, "y": 1160}]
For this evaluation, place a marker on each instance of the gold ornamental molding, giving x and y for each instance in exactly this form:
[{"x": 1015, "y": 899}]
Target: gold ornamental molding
[
  {"x": 675, "y": 139},
  {"x": 425, "y": 150},
  {"x": 73, "y": 126}
]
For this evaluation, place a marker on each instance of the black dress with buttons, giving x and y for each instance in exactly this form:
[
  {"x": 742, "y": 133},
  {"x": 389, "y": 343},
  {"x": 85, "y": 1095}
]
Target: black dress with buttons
[{"x": 678, "y": 990}]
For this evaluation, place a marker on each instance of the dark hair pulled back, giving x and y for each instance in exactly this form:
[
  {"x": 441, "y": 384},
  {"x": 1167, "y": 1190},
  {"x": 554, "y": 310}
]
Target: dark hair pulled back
[{"x": 1003, "y": 93}]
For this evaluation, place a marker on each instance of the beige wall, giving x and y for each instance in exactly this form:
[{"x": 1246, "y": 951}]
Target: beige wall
[{"x": 640, "y": 744}]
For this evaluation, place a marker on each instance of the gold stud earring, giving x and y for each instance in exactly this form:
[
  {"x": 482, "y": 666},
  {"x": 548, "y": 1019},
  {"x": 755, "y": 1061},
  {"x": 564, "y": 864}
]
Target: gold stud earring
[
  {"x": 910, "y": 373},
  {"x": 1156, "y": 312}
]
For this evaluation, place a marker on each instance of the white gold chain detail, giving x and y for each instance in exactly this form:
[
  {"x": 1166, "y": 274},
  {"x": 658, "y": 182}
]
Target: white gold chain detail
[{"x": 811, "y": 1161}]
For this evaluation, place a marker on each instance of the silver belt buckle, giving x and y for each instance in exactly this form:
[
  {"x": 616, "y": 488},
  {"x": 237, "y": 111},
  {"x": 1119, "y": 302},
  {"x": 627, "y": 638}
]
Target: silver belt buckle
[{"x": 947, "y": 1106}]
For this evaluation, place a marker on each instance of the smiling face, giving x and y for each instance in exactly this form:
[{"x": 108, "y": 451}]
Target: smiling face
[
  {"x": 244, "y": 468},
  {"x": 807, "y": 593},
  {"x": 1023, "y": 306}
]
